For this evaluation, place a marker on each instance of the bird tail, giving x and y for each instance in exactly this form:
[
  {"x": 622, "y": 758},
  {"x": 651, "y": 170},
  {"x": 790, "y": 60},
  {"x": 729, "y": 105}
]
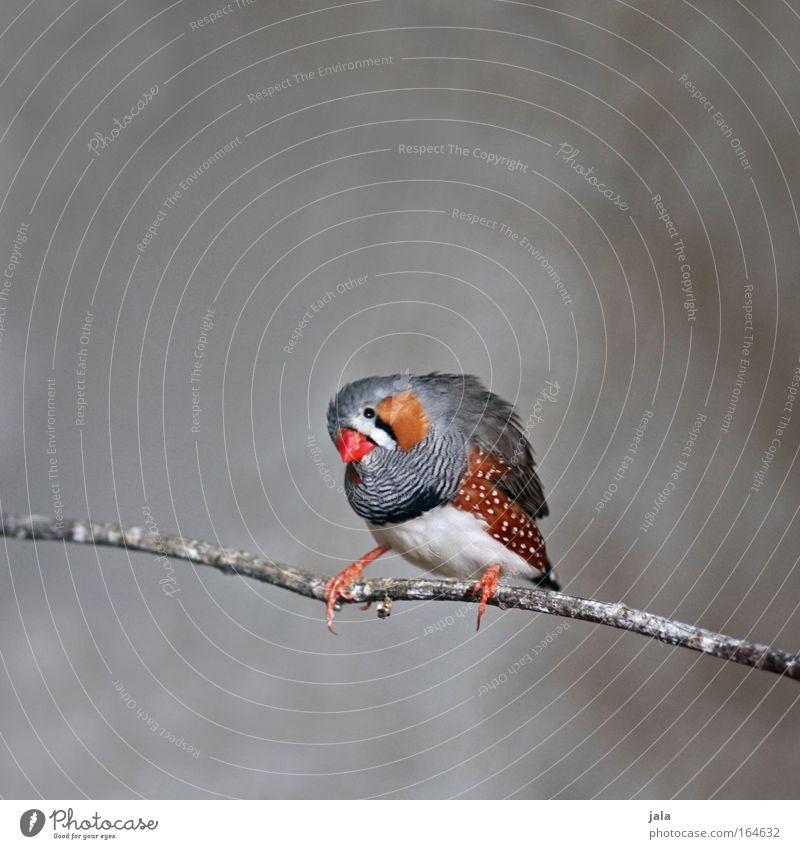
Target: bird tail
[{"x": 547, "y": 580}]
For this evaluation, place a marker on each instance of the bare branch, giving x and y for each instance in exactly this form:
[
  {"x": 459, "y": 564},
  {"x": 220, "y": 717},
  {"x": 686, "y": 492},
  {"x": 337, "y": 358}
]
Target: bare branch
[{"x": 377, "y": 589}]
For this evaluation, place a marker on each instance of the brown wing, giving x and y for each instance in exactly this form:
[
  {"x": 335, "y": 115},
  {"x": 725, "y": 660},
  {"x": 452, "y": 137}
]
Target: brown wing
[{"x": 481, "y": 493}]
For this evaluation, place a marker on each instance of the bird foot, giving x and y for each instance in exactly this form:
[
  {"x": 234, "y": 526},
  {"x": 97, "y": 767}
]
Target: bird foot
[
  {"x": 487, "y": 586},
  {"x": 336, "y": 588}
]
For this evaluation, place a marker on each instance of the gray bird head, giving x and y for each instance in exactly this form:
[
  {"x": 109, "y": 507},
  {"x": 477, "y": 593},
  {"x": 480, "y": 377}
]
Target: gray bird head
[{"x": 405, "y": 440}]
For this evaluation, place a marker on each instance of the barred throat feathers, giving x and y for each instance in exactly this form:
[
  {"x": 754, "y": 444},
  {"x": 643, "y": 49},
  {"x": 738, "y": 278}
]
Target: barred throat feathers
[{"x": 390, "y": 486}]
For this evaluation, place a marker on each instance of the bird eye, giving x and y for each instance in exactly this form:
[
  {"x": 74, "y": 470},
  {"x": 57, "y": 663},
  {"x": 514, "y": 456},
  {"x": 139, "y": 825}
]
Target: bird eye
[{"x": 369, "y": 413}]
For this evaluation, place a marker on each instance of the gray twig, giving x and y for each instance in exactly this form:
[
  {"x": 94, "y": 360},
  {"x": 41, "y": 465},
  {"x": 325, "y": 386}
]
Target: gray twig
[{"x": 305, "y": 583}]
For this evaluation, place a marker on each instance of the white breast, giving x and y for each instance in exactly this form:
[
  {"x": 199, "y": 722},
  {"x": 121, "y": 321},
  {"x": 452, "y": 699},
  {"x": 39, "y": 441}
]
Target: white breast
[{"x": 450, "y": 542}]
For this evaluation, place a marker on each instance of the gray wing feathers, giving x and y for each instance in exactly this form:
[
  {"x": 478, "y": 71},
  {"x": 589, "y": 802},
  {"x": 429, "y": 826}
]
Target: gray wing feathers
[
  {"x": 492, "y": 424},
  {"x": 499, "y": 432}
]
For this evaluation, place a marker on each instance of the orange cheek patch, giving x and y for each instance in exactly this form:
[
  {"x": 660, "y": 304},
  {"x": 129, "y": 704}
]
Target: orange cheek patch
[{"x": 404, "y": 413}]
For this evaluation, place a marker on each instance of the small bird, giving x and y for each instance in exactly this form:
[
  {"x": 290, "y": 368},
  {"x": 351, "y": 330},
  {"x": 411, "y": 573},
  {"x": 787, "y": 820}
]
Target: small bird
[{"x": 443, "y": 473}]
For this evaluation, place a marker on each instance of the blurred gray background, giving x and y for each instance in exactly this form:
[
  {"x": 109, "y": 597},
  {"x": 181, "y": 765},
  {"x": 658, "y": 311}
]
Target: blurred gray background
[{"x": 636, "y": 169}]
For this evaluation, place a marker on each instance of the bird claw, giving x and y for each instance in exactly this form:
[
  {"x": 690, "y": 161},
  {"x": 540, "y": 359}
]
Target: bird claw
[
  {"x": 487, "y": 586},
  {"x": 336, "y": 589}
]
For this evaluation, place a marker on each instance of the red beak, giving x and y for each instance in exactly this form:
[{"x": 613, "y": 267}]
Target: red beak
[{"x": 352, "y": 445}]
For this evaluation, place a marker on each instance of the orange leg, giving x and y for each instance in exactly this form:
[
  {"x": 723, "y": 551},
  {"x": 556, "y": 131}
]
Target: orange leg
[
  {"x": 336, "y": 587},
  {"x": 487, "y": 587}
]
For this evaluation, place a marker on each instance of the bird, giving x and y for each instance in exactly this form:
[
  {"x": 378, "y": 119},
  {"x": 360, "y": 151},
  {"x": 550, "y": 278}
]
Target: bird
[{"x": 443, "y": 473}]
